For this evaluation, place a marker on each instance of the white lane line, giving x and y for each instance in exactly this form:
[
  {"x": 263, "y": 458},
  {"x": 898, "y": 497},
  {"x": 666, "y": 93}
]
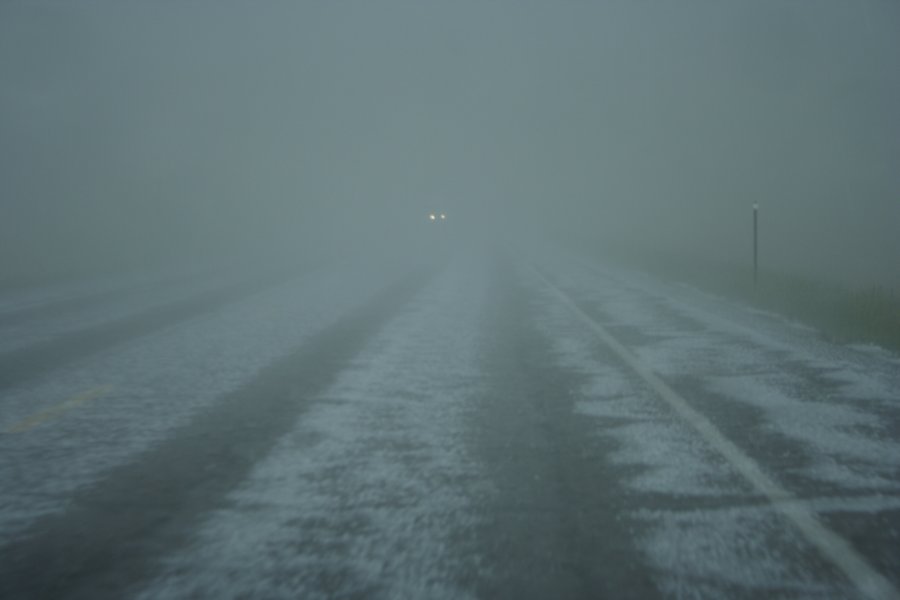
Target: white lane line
[{"x": 832, "y": 546}]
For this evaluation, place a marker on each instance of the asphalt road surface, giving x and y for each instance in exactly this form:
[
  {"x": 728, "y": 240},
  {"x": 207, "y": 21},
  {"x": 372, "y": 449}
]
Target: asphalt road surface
[{"x": 480, "y": 426}]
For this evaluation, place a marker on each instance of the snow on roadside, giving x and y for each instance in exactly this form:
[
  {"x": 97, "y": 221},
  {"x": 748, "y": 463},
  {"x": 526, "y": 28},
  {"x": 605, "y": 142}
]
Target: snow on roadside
[
  {"x": 370, "y": 495},
  {"x": 667, "y": 457},
  {"x": 719, "y": 538},
  {"x": 840, "y": 404},
  {"x": 842, "y": 441},
  {"x": 728, "y": 553}
]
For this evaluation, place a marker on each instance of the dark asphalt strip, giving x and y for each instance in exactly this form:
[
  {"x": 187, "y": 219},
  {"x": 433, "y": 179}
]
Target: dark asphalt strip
[
  {"x": 557, "y": 524},
  {"x": 19, "y": 366},
  {"x": 114, "y": 533}
]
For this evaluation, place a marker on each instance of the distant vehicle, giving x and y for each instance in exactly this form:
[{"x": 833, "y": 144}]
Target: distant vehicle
[{"x": 437, "y": 217}]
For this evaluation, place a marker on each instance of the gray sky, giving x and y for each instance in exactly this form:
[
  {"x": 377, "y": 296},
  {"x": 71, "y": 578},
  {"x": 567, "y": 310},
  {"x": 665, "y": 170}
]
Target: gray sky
[{"x": 149, "y": 128}]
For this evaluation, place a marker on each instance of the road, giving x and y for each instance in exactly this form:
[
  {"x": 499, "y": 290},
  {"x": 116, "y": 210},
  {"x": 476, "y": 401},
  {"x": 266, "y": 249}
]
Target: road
[{"x": 488, "y": 425}]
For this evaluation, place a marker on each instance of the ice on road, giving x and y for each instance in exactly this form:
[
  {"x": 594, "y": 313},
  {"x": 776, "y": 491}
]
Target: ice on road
[{"x": 452, "y": 429}]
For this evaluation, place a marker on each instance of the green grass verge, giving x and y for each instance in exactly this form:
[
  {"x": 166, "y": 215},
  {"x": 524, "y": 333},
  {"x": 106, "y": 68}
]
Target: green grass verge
[{"x": 841, "y": 313}]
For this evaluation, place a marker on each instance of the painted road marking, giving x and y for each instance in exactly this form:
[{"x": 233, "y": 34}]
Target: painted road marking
[
  {"x": 59, "y": 409},
  {"x": 831, "y": 545}
]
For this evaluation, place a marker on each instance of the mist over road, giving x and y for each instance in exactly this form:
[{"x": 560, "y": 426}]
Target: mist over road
[
  {"x": 285, "y": 310},
  {"x": 471, "y": 424}
]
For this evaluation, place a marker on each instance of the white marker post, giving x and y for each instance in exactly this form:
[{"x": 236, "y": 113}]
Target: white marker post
[{"x": 755, "y": 244}]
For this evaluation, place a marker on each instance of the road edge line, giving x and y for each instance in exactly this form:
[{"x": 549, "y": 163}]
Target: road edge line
[{"x": 830, "y": 544}]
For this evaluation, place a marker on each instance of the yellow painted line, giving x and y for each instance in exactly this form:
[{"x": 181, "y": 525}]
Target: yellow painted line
[
  {"x": 839, "y": 551},
  {"x": 58, "y": 409}
]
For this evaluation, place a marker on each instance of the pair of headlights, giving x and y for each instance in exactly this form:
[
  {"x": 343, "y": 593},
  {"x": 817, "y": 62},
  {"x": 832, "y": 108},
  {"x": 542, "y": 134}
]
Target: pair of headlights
[{"x": 436, "y": 217}]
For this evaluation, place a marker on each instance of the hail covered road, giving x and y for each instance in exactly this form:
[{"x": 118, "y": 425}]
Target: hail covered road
[{"x": 484, "y": 426}]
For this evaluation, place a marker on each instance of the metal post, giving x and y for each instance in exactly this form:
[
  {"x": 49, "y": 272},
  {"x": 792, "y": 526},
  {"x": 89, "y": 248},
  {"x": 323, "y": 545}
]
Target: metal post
[{"x": 755, "y": 244}]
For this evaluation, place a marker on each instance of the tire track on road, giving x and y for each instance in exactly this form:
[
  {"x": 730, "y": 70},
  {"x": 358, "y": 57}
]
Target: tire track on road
[
  {"x": 114, "y": 532},
  {"x": 556, "y": 520}
]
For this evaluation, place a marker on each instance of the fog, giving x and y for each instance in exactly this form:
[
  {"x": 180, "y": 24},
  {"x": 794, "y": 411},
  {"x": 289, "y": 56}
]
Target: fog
[{"x": 138, "y": 133}]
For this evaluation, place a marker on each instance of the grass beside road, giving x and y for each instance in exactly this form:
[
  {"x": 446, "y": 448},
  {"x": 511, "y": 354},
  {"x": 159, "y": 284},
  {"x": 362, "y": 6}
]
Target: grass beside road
[
  {"x": 841, "y": 313},
  {"x": 870, "y": 315}
]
